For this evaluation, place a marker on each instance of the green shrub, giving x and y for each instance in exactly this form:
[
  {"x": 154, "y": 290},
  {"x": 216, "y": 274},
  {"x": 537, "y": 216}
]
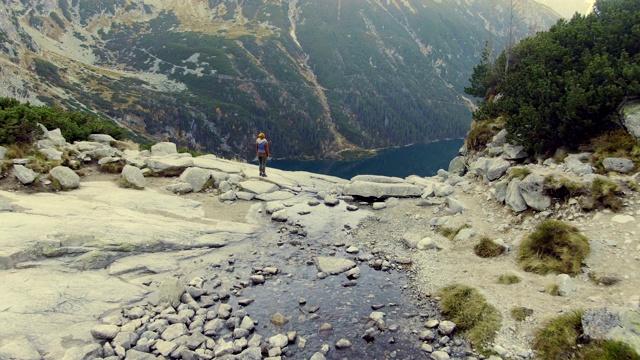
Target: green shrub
[
  {"x": 486, "y": 248},
  {"x": 471, "y": 313},
  {"x": 18, "y": 123},
  {"x": 520, "y": 313},
  {"x": 554, "y": 247},
  {"x": 562, "y": 338},
  {"x": 508, "y": 279}
]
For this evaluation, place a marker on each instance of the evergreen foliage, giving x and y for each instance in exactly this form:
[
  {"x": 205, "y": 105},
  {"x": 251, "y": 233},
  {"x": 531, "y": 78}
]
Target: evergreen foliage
[
  {"x": 565, "y": 86},
  {"x": 19, "y": 123}
]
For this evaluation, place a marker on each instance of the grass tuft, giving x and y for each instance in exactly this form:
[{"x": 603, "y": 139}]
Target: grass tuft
[
  {"x": 471, "y": 313},
  {"x": 486, "y": 248},
  {"x": 555, "y": 247},
  {"x": 605, "y": 193},
  {"x": 508, "y": 279},
  {"x": 520, "y": 313},
  {"x": 450, "y": 232},
  {"x": 518, "y": 172}
]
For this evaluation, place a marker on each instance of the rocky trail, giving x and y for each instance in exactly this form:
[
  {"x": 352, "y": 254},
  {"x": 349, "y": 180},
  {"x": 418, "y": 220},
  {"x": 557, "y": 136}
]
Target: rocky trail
[{"x": 210, "y": 261}]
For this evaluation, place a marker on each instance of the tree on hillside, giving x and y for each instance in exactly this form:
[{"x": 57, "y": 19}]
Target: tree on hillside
[{"x": 564, "y": 86}]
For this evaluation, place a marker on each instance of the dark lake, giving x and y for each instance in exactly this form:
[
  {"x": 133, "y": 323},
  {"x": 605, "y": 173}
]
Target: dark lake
[{"x": 420, "y": 159}]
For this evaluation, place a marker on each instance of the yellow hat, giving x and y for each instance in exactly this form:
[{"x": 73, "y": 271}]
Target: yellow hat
[{"x": 261, "y": 136}]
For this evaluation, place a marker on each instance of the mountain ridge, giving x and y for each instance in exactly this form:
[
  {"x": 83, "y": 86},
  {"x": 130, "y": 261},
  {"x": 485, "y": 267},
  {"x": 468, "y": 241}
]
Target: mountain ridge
[{"x": 317, "y": 77}]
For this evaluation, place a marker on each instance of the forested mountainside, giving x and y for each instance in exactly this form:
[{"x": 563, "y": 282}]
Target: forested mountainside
[{"x": 318, "y": 76}]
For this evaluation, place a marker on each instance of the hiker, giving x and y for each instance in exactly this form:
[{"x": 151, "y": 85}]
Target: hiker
[{"x": 262, "y": 148}]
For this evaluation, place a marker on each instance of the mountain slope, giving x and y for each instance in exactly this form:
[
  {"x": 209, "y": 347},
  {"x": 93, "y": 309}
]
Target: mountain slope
[{"x": 316, "y": 76}]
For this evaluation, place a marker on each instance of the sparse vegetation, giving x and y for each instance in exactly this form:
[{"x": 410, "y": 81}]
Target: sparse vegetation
[
  {"x": 520, "y": 313},
  {"x": 481, "y": 134},
  {"x": 552, "y": 288},
  {"x": 518, "y": 172},
  {"x": 605, "y": 193},
  {"x": 508, "y": 279},
  {"x": 470, "y": 311},
  {"x": 486, "y": 248},
  {"x": 560, "y": 187},
  {"x": 114, "y": 167},
  {"x": 561, "y": 338},
  {"x": 616, "y": 143},
  {"x": 554, "y": 247},
  {"x": 451, "y": 232}
]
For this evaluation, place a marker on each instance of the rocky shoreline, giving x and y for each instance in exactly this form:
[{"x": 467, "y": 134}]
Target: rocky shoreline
[{"x": 160, "y": 260}]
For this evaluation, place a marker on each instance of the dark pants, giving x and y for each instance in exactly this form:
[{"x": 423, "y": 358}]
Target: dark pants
[{"x": 263, "y": 163}]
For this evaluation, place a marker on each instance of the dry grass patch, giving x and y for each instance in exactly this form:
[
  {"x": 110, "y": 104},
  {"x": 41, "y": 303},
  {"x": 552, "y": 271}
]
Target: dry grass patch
[
  {"x": 555, "y": 247},
  {"x": 562, "y": 338},
  {"x": 508, "y": 279},
  {"x": 518, "y": 172},
  {"x": 520, "y": 313},
  {"x": 451, "y": 232},
  {"x": 605, "y": 193},
  {"x": 562, "y": 188},
  {"x": 470, "y": 311},
  {"x": 486, "y": 248}
]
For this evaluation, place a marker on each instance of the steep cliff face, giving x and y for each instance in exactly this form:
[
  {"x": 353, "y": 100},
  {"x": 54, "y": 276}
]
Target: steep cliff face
[{"x": 317, "y": 76}]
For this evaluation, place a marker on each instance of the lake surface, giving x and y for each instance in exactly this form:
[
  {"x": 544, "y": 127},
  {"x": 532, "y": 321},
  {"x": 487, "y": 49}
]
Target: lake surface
[{"x": 421, "y": 159}]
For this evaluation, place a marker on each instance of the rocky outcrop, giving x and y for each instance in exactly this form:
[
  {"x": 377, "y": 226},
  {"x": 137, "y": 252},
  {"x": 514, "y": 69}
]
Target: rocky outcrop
[
  {"x": 380, "y": 187},
  {"x": 631, "y": 118}
]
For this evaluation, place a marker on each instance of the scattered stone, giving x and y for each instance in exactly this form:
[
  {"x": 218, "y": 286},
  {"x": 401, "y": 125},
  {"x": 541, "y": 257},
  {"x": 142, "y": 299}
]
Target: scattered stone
[
  {"x": 278, "y": 319},
  {"x": 333, "y": 265},
  {"x": 343, "y": 344}
]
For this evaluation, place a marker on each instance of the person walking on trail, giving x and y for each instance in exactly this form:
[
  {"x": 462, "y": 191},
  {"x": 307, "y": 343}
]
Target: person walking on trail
[{"x": 262, "y": 148}]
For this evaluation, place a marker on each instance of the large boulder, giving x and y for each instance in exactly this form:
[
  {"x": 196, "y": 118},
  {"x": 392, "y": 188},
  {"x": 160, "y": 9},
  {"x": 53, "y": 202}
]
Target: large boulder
[
  {"x": 3, "y": 152},
  {"x": 381, "y": 190},
  {"x": 631, "y": 118},
  {"x": 616, "y": 324},
  {"x": 64, "y": 178},
  {"x": 164, "y": 148},
  {"x": 514, "y": 152},
  {"x": 56, "y": 137},
  {"x": 575, "y": 164},
  {"x": 532, "y": 191},
  {"x": 258, "y": 187},
  {"x": 24, "y": 174},
  {"x": 620, "y": 165},
  {"x": 102, "y": 138},
  {"x": 172, "y": 165},
  {"x": 458, "y": 165},
  {"x": 513, "y": 198},
  {"x": 132, "y": 177},
  {"x": 199, "y": 178},
  {"x": 497, "y": 167}
]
